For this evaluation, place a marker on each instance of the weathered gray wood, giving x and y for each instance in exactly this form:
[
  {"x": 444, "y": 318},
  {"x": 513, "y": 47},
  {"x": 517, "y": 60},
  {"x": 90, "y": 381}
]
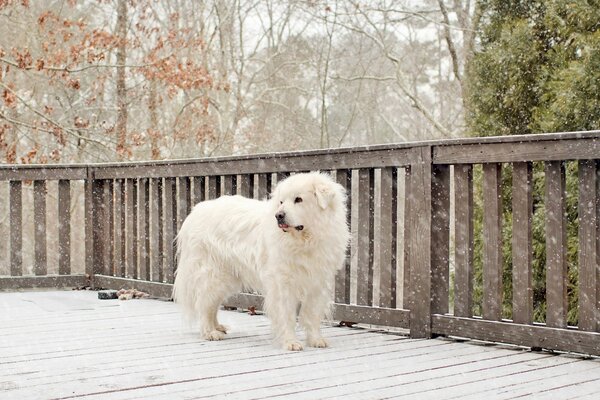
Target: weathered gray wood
[
  {"x": 184, "y": 200},
  {"x": 440, "y": 239},
  {"x": 264, "y": 163},
  {"x": 214, "y": 187},
  {"x": 552, "y": 150},
  {"x": 588, "y": 258},
  {"x": 409, "y": 198},
  {"x": 155, "y": 206},
  {"x": 230, "y": 185},
  {"x": 155, "y": 289},
  {"x": 246, "y": 186},
  {"x": 420, "y": 246},
  {"x": 89, "y": 190},
  {"x": 64, "y": 227},
  {"x": 170, "y": 228},
  {"x": 144, "y": 228},
  {"x": 97, "y": 226},
  {"x": 387, "y": 237},
  {"x": 16, "y": 228},
  {"x": 131, "y": 221},
  {"x": 492, "y": 242},
  {"x": 340, "y": 312},
  {"x": 264, "y": 184},
  {"x": 519, "y": 334},
  {"x": 47, "y": 281},
  {"x": 342, "y": 279},
  {"x": 199, "y": 189},
  {"x": 364, "y": 257},
  {"x": 161, "y": 230},
  {"x": 463, "y": 254},
  {"x": 40, "y": 266},
  {"x": 107, "y": 227},
  {"x": 42, "y": 173},
  {"x": 522, "y": 252},
  {"x": 119, "y": 228},
  {"x": 282, "y": 175},
  {"x": 556, "y": 245}
]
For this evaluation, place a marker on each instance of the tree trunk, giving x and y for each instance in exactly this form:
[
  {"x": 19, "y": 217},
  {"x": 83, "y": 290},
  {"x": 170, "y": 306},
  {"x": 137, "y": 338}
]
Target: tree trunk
[{"x": 121, "y": 126}]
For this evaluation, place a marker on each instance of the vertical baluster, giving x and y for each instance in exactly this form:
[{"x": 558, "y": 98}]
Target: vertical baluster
[
  {"x": 39, "y": 215},
  {"x": 88, "y": 210},
  {"x": 264, "y": 184},
  {"x": 463, "y": 256},
  {"x": 440, "y": 239},
  {"x": 342, "y": 279},
  {"x": 364, "y": 251},
  {"x": 387, "y": 237},
  {"x": 170, "y": 228},
  {"x": 522, "y": 206},
  {"x": 492, "y": 242},
  {"x": 408, "y": 216},
  {"x": 556, "y": 245},
  {"x": 144, "y": 228},
  {"x": 119, "y": 228},
  {"x": 16, "y": 228},
  {"x": 588, "y": 274},
  {"x": 130, "y": 231},
  {"x": 155, "y": 230},
  {"x": 230, "y": 184},
  {"x": 184, "y": 200},
  {"x": 246, "y": 185},
  {"x": 64, "y": 227},
  {"x": 214, "y": 187},
  {"x": 108, "y": 222},
  {"x": 199, "y": 191}
]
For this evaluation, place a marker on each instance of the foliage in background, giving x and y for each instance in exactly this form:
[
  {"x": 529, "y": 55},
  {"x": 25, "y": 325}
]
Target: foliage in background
[
  {"x": 103, "y": 80},
  {"x": 536, "y": 71}
]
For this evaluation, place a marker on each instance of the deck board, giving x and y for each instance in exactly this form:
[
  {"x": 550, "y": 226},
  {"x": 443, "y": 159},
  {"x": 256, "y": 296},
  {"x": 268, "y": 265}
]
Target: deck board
[{"x": 58, "y": 345}]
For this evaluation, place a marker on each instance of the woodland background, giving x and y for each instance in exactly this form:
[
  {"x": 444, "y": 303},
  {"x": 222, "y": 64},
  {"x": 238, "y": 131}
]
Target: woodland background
[{"x": 115, "y": 80}]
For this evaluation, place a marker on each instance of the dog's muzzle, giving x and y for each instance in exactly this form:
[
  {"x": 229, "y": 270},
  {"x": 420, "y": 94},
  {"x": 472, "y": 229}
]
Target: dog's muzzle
[{"x": 280, "y": 217}]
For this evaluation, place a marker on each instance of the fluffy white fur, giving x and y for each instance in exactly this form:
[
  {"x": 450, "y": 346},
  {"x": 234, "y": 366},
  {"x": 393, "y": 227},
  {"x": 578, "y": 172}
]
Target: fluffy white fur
[{"x": 234, "y": 243}]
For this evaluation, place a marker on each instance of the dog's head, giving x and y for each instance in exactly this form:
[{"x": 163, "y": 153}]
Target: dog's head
[{"x": 304, "y": 200}]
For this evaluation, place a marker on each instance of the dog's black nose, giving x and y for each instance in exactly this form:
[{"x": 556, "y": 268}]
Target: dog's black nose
[{"x": 280, "y": 216}]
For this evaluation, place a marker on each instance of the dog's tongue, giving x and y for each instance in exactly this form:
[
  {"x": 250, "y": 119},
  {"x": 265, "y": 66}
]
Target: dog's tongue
[{"x": 284, "y": 226}]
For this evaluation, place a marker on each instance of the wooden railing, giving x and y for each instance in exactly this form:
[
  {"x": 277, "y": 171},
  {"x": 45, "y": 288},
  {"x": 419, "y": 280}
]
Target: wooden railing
[{"x": 414, "y": 210}]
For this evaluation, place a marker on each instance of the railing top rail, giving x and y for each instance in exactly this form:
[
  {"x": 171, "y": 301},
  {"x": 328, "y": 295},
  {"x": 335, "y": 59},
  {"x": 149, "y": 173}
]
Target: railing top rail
[{"x": 446, "y": 151}]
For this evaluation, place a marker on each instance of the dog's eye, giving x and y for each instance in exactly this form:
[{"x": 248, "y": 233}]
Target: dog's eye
[
  {"x": 281, "y": 202},
  {"x": 298, "y": 200}
]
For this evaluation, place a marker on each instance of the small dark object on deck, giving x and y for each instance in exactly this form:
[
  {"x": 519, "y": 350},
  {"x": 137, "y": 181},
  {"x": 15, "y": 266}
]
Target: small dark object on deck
[
  {"x": 347, "y": 324},
  {"x": 107, "y": 295},
  {"x": 229, "y": 308},
  {"x": 252, "y": 310},
  {"x": 537, "y": 349}
]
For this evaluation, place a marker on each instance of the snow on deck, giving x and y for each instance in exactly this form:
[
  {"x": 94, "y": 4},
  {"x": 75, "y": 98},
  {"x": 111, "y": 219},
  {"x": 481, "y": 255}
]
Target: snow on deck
[{"x": 63, "y": 345}]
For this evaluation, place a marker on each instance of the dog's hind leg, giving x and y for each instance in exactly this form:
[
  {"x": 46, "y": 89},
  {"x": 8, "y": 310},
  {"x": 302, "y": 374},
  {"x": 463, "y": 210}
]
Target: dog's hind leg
[{"x": 211, "y": 293}]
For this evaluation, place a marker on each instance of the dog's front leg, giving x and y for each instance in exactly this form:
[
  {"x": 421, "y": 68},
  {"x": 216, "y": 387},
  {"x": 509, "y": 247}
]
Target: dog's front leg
[
  {"x": 312, "y": 312},
  {"x": 281, "y": 306}
]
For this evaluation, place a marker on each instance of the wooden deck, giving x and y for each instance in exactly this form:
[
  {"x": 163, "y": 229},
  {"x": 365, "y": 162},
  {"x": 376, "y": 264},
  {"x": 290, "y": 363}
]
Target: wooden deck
[{"x": 60, "y": 345}]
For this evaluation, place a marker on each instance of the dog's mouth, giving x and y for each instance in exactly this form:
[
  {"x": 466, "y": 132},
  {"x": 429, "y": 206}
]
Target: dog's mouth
[{"x": 285, "y": 227}]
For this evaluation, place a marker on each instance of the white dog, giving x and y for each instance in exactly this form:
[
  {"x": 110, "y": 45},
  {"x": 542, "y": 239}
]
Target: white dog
[{"x": 288, "y": 248}]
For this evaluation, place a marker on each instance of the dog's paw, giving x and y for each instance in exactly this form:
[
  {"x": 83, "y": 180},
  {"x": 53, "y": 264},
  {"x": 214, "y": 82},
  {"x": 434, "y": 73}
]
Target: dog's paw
[
  {"x": 317, "y": 342},
  {"x": 293, "y": 345},
  {"x": 214, "y": 335},
  {"x": 222, "y": 328}
]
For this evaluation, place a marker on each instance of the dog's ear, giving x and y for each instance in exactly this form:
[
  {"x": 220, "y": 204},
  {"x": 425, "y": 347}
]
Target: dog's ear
[{"x": 324, "y": 195}]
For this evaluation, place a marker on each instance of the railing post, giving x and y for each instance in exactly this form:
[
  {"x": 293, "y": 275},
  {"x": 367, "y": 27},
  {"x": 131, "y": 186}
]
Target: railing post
[
  {"x": 95, "y": 215},
  {"x": 419, "y": 244}
]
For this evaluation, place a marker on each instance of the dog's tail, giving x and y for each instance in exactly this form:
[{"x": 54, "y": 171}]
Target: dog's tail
[{"x": 183, "y": 287}]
